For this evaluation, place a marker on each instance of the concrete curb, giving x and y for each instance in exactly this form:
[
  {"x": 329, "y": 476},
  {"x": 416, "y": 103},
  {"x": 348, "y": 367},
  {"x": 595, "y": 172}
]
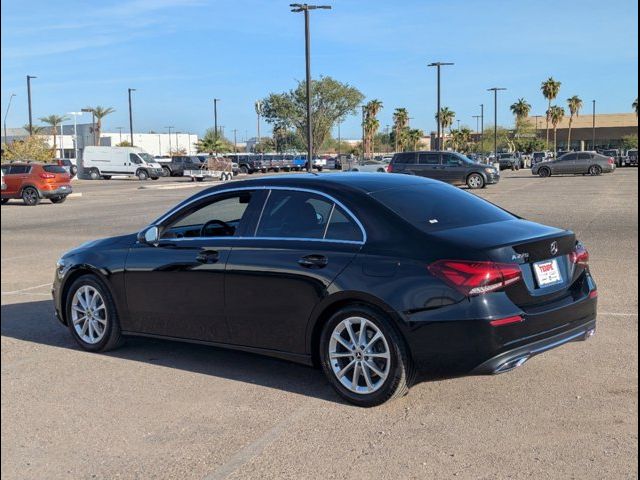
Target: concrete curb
[{"x": 74, "y": 195}]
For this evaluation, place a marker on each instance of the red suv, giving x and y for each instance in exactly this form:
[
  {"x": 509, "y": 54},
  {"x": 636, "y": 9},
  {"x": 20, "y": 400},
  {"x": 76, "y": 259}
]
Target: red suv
[{"x": 34, "y": 181}]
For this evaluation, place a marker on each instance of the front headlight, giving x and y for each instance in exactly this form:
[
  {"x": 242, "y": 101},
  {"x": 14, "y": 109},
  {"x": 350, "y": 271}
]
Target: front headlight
[{"x": 490, "y": 170}]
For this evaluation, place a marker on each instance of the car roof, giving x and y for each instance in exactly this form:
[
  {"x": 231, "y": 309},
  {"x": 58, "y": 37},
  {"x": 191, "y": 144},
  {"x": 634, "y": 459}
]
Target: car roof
[{"x": 352, "y": 181}]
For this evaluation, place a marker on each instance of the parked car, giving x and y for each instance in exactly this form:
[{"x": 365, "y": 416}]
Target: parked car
[
  {"x": 370, "y": 166},
  {"x": 393, "y": 275},
  {"x": 537, "y": 157},
  {"x": 176, "y": 166},
  {"x": 508, "y": 160},
  {"x": 3, "y": 185},
  {"x": 450, "y": 167},
  {"x": 631, "y": 158},
  {"x": 248, "y": 162},
  {"x": 613, "y": 153},
  {"x": 104, "y": 162},
  {"x": 34, "y": 181},
  {"x": 68, "y": 165},
  {"x": 576, "y": 163}
]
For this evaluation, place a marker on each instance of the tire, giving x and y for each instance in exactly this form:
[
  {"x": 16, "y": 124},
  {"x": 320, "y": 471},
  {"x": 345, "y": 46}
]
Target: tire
[
  {"x": 59, "y": 199},
  {"x": 199, "y": 179},
  {"x": 106, "y": 177},
  {"x": 94, "y": 174},
  {"x": 166, "y": 171},
  {"x": 142, "y": 175},
  {"x": 105, "y": 315},
  {"x": 475, "y": 181},
  {"x": 155, "y": 178},
  {"x": 30, "y": 196},
  {"x": 544, "y": 172},
  {"x": 595, "y": 170},
  {"x": 244, "y": 170},
  {"x": 73, "y": 171},
  {"x": 318, "y": 168},
  {"x": 4, "y": 200},
  {"x": 397, "y": 369}
]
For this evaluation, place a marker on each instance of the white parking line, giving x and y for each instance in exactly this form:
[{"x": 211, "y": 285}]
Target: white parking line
[{"x": 18, "y": 292}]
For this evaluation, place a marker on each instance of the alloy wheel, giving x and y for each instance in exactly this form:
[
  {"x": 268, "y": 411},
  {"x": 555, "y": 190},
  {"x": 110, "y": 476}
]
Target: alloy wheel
[
  {"x": 475, "y": 181},
  {"x": 89, "y": 314},
  {"x": 359, "y": 355}
]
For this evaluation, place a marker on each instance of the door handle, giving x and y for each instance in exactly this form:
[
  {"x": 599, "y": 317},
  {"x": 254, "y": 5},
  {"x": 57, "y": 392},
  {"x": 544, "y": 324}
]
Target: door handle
[
  {"x": 313, "y": 261},
  {"x": 208, "y": 256}
]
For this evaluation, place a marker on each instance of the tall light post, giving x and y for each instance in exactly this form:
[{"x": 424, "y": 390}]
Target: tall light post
[
  {"x": 169, "y": 139},
  {"x": 131, "y": 116},
  {"x": 6, "y": 141},
  {"x": 75, "y": 133},
  {"x": 477, "y": 117},
  {"x": 438, "y": 65},
  {"x": 593, "y": 128},
  {"x": 258, "y": 114},
  {"x": 120, "y": 132},
  {"x": 364, "y": 109},
  {"x": 215, "y": 117},
  {"x": 177, "y": 144},
  {"x": 235, "y": 140},
  {"x": 482, "y": 126},
  {"x": 495, "y": 91},
  {"x": 29, "y": 77},
  {"x": 304, "y": 7}
]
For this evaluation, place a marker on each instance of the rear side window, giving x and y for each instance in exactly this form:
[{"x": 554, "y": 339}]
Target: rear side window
[
  {"x": 433, "y": 208},
  {"x": 429, "y": 158},
  {"x": 19, "y": 169},
  {"x": 405, "y": 158},
  {"x": 53, "y": 169},
  {"x": 584, "y": 156},
  {"x": 342, "y": 227},
  {"x": 568, "y": 157}
]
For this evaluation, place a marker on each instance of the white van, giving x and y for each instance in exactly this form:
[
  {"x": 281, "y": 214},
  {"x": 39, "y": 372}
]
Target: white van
[{"x": 104, "y": 162}]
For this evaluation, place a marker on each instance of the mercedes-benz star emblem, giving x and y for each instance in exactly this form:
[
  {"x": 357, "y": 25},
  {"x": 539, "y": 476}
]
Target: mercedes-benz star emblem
[{"x": 554, "y": 248}]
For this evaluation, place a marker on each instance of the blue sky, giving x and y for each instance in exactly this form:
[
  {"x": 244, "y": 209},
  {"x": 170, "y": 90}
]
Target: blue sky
[{"x": 180, "y": 54}]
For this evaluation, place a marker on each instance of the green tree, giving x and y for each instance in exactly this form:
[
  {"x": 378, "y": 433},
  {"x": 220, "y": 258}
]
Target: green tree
[
  {"x": 36, "y": 129},
  {"x": 461, "y": 139},
  {"x": 520, "y": 110},
  {"x": 575, "y": 105},
  {"x": 371, "y": 124},
  {"x": 124, "y": 143},
  {"x": 630, "y": 141},
  {"x": 446, "y": 117},
  {"x": 414, "y": 136},
  {"x": 54, "y": 121},
  {"x": 99, "y": 113},
  {"x": 210, "y": 143},
  {"x": 555, "y": 115},
  {"x": 400, "y": 123},
  {"x": 331, "y": 101},
  {"x": 34, "y": 147},
  {"x": 550, "y": 89}
]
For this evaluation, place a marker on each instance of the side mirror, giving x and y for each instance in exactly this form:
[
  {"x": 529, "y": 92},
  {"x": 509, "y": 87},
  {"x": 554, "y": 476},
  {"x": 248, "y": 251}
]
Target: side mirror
[{"x": 150, "y": 236}]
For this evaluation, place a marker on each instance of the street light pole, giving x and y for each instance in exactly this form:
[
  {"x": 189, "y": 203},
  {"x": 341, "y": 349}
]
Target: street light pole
[
  {"x": 438, "y": 65},
  {"x": 120, "y": 132},
  {"x": 170, "y": 154},
  {"x": 495, "y": 91},
  {"x": 75, "y": 133},
  {"x": 235, "y": 140},
  {"x": 477, "y": 117},
  {"x": 593, "y": 129},
  {"x": 363, "y": 133},
  {"x": 482, "y": 127},
  {"x": 215, "y": 117},
  {"x": 131, "y": 116},
  {"x": 29, "y": 77},
  {"x": 6, "y": 141},
  {"x": 298, "y": 7}
]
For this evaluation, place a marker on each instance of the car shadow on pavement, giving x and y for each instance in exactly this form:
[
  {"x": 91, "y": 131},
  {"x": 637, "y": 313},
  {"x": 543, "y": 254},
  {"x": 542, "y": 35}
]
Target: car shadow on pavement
[{"x": 35, "y": 322}]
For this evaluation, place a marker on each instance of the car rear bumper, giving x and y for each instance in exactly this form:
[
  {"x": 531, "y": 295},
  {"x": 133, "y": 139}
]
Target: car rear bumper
[{"x": 61, "y": 191}]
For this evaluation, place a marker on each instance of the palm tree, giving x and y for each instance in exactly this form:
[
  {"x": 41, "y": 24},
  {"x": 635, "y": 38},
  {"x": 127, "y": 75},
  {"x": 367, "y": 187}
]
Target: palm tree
[
  {"x": 575, "y": 105},
  {"x": 446, "y": 119},
  {"x": 555, "y": 115},
  {"x": 400, "y": 121},
  {"x": 521, "y": 110},
  {"x": 99, "y": 113},
  {"x": 55, "y": 121},
  {"x": 35, "y": 129},
  {"x": 550, "y": 89},
  {"x": 371, "y": 123},
  {"x": 635, "y": 105},
  {"x": 414, "y": 136}
]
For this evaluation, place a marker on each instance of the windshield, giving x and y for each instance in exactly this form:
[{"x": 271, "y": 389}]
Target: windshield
[
  {"x": 146, "y": 157},
  {"x": 440, "y": 207}
]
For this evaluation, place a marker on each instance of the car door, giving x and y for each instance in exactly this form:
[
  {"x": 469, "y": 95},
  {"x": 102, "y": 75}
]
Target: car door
[
  {"x": 302, "y": 241},
  {"x": 430, "y": 166},
  {"x": 176, "y": 289},
  {"x": 565, "y": 164},
  {"x": 15, "y": 178},
  {"x": 454, "y": 169},
  {"x": 584, "y": 161},
  {"x": 406, "y": 163}
]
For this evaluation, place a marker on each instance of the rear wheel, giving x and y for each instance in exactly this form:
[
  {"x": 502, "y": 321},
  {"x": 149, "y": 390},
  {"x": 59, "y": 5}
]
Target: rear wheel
[
  {"x": 59, "y": 199},
  {"x": 244, "y": 169},
  {"x": 595, "y": 170},
  {"x": 91, "y": 315},
  {"x": 4, "y": 200},
  {"x": 166, "y": 171},
  {"x": 30, "y": 196},
  {"x": 106, "y": 177},
  {"x": 475, "y": 181},
  {"x": 544, "y": 172},
  {"x": 364, "y": 358}
]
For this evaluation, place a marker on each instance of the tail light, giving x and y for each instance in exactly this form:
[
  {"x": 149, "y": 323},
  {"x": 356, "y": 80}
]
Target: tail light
[
  {"x": 611, "y": 161},
  {"x": 580, "y": 255},
  {"x": 47, "y": 175},
  {"x": 390, "y": 168},
  {"x": 501, "y": 322},
  {"x": 476, "y": 278}
]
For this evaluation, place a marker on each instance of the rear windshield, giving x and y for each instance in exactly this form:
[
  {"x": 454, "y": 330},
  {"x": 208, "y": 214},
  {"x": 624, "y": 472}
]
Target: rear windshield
[
  {"x": 53, "y": 169},
  {"x": 440, "y": 207}
]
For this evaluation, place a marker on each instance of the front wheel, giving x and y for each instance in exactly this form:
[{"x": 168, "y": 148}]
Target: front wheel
[
  {"x": 166, "y": 172},
  {"x": 59, "y": 199},
  {"x": 475, "y": 181},
  {"x": 91, "y": 315},
  {"x": 30, "y": 196},
  {"x": 364, "y": 358},
  {"x": 595, "y": 170},
  {"x": 142, "y": 175}
]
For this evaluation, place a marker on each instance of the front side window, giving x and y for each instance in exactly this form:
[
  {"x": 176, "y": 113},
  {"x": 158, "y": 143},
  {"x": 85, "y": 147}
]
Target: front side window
[
  {"x": 451, "y": 160},
  {"x": 146, "y": 157},
  {"x": 133, "y": 158},
  {"x": 220, "y": 217}
]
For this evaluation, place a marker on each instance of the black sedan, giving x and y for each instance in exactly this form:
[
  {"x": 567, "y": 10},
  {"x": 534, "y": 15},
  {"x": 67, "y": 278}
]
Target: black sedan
[{"x": 375, "y": 278}]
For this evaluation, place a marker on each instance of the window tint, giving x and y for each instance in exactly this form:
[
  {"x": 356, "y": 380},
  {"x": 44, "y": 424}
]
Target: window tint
[
  {"x": 451, "y": 160},
  {"x": 53, "y": 169},
  {"x": 293, "y": 214},
  {"x": 429, "y": 158},
  {"x": 146, "y": 157},
  {"x": 19, "y": 169},
  {"x": 440, "y": 207},
  {"x": 219, "y": 218},
  {"x": 5, "y": 169},
  {"x": 568, "y": 157},
  {"x": 408, "y": 158},
  {"x": 584, "y": 156},
  {"x": 342, "y": 227},
  {"x": 133, "y": 158}
]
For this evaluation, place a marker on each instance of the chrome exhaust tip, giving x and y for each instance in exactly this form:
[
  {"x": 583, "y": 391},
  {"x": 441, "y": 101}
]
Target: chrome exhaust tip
[{"x": 512, "y": 364}]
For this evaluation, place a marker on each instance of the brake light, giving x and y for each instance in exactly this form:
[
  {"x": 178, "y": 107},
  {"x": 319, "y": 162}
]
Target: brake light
[
  {"x": 476, "y": 278},
  {"x": 47, "y": 175},
  {"x": 593, "y": 294},
  {"x": 611, "y": 161},
  {"x": 389, "y": 168},
  {"x": 580, "y": 255},
  {"x": 506, "y": 321}
]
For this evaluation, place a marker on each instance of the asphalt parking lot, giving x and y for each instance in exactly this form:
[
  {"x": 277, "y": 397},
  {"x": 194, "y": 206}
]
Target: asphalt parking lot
[{"x": 156, "y": 409}]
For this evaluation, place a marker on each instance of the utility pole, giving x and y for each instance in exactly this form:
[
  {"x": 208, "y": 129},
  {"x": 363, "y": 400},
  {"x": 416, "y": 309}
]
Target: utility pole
[
  {"x": 29, "y": 77},
  {"x": 120, "y": 132},
  {"x": 235, "y": 140},
  {"x": 296, "y": 8},
  {"x": 495, "y": 91},
  {"x": 593, "y": 128},
  {"x": 6, "y": 140},
  {"x": 438, "y": 65},
  {"x": 215, "y": 117},
  {"x": 482, "y": 126},
  {"x": 131, "y": 116},
  {"x": 477, "y": 117},
  {"x": 170, "y": 148}
]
